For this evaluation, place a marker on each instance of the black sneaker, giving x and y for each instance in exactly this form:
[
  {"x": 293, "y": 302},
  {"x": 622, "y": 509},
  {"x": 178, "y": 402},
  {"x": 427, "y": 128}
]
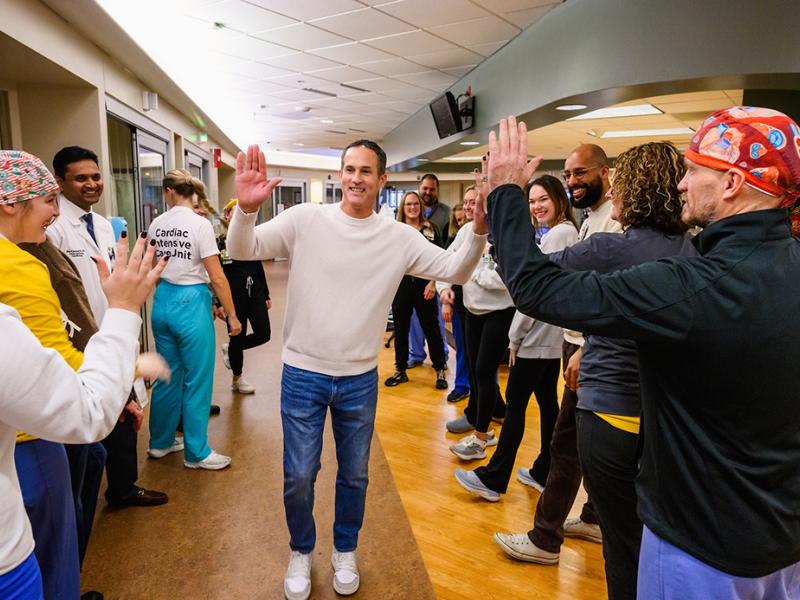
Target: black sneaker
[
  {"x": 396, "y": 379},
  {"x": 441, "y": 381},
  {"x": 456, "y": 396}
]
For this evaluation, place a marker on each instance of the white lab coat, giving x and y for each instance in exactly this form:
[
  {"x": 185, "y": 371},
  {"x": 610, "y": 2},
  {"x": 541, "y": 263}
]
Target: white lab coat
[{"x": 70, "y": 235}]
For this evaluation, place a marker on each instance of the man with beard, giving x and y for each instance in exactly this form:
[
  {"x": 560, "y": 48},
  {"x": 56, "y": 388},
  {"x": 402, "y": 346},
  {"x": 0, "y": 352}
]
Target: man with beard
[
  {"x": 436, "y": 212},
  {"x": 586, "y": 176}
]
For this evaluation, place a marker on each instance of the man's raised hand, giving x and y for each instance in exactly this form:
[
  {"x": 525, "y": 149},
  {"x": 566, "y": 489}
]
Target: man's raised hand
[
  {"x": 253, "y": 187},
  {"x": 508, "y": 155}
]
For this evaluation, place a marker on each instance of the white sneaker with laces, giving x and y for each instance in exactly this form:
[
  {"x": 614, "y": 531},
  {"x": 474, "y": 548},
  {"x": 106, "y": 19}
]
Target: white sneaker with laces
[
  {"x": 212, "y": 462},
  {"x": 577, "y": 528},
  {"x": 297, "y": 582},
  {"x": 519, "y": 546},
  {"x": 241, "y": 386},
  {"x": 492, "y": 439},
  {"x": 345, "y": 573},
  {"x": 225, "y": 358},
  {"x": 177, "y": 446},
  {"x": 470, "y": 447}
]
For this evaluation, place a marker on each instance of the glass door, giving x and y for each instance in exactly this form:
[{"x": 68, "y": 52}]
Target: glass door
[
  {"x": 151, "y": 162},
  {"x": 333, "y": 192}
]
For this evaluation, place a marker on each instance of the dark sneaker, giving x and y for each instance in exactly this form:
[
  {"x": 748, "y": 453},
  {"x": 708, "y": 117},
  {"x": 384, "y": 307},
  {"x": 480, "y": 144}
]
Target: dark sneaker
[
  {"x": 456, "y": 396},
  {"x": 396, "y": 379},
  {"x": 441, "y": 380}
]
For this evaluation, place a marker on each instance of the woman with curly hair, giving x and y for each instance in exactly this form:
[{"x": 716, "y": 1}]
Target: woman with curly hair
[{"x": 646, "y": 201}]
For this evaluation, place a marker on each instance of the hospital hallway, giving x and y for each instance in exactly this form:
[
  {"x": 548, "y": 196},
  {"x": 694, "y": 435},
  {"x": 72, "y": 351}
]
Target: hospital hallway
[{"x": 223, "y": 534}]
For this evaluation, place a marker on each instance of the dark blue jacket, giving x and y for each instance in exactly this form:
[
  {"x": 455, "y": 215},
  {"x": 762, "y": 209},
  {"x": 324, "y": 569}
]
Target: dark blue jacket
[{"x": 719, "y": 349}]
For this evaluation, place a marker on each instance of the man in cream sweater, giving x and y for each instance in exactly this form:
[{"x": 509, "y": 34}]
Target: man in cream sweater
[{"x": 346, "y": 264}]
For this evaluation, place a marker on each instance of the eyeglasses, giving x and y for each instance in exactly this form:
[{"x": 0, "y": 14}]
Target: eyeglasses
[{"x": 578, "y": 173}]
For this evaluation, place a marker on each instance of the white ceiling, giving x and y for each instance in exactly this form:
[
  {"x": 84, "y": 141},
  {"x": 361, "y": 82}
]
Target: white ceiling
[{"x": 247, "y": 62}]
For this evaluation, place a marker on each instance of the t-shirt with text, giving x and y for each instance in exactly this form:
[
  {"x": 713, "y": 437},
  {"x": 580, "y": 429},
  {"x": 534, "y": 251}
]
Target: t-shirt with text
[{"x": 187, "y": 239}]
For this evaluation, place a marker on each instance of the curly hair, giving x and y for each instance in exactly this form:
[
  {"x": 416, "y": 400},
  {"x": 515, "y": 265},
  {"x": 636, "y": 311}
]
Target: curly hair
[{"x": 646, "y": 181}]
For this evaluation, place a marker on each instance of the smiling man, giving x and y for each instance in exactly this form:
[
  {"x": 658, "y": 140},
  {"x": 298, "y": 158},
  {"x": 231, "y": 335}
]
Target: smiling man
[{"x": 346, "y": 265}]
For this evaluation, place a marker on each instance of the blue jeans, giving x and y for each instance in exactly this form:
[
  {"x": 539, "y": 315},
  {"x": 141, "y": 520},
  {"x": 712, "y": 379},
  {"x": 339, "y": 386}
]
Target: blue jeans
[
  {"x": 462, "y": 365},
  {"x": 86, "y": 464},
  {"x": 668, "y": 573},
  {"x": 43, "y": 474},
  {"x": 184, "y": 332},
  {"x": 23, "y": 582},
  {"x": 305, "y": 399}
]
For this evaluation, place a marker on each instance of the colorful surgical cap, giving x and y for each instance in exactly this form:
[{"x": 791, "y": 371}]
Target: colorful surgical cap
[{"x": 23, "y": 177}]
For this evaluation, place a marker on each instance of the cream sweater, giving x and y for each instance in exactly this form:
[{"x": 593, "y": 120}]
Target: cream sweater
[{"x": 344, "y": 273}]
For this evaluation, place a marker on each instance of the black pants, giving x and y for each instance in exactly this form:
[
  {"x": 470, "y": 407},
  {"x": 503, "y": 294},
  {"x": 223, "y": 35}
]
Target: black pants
[
  {"x": 86, "y": 472},
  {"x": 609, "y": 460},
  {"x": 528, "y": 375},
  {"x": 250, "y": 303},
  {"x": 486, "y": 339},
  {"x": 122, "y": 469},
  {"x": 410, "y": 296},
  {"x": 564, "y": 478}
]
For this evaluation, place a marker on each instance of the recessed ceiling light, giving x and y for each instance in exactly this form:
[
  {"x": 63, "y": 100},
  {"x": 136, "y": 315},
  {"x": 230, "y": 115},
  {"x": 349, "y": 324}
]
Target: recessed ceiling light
[
  {"x": 423, "y": 160},
  {"x": 299, "y": 144},
  {"x": 647, "y": 133},
  {"x": 470, "y": 143},
  {"x": 636, "y": 110},
  {"x": 571, "y": 107},
  {"x": 464, "y": 158},
  {"x": 326, "y": 121},
  {"x": 592, "y": 133}
]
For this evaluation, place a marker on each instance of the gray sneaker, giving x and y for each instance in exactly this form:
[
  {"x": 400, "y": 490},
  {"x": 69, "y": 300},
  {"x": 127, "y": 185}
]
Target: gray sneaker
[
  {"x": 473, "y": 484},
  {"x": 524, "y": 477},
  {"x": 577, "y": 528},
  {"x": 469, "y": 448},
  {"x": 520, "y": 546},
  {"x": 460, "y": 425}
]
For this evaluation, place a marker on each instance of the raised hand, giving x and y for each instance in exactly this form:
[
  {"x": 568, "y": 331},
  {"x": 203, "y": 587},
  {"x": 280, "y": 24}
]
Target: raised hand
[
  {"x": 508, "y": 155},
  {"x": 131, "y": 281},
  {"x": 253, "y": 187}
]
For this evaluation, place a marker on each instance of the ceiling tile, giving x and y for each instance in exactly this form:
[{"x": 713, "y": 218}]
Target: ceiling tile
[
  {"x": 255, "y": 70},
  {"x": 392, "y": 66},
  {"x": 433, "y": 80},
  {"x": 351, "y": 54},
  {"x": 488, "y": 49},
  {"x": 241, "y": 16},
  {"x": 447, "y": 58},
  {"x": 419, "y": 42},
  {"x": 297, "y": 95},
  {"x": 370, "y": 98},
  {"x": 306, "y": 10},
  {"x": 244, "y": 46},
  {"x": 362, "y": 24},
  {"x": 293, "y": 80},
  {"x": 525, "y": 18},
  {"x": 383, "y": 84},
  {"x": 402, "y": 106},
  {"x": 415, "y": 94},
  {"x": 342, "y": 74},
  {"x": 426, "y": 14},
  {"x": 301, "y": 61},
  {"x": 302, "y": 36},
  {"x": 477, "y": 31},
  {"x": 504, "y": 6}
]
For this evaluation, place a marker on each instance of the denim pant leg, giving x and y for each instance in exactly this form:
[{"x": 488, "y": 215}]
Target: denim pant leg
[
  {"x": 353, "y": 420},
  {"x": 43, "y": 475},
  {"x": 305, "y": 396},
  {"x": 416, "y": 340},
  {"x": 462, "y": 368}
]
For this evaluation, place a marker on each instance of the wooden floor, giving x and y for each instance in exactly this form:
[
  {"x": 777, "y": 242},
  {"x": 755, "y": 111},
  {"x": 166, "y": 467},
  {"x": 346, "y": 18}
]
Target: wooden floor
[{"x": 454, "y": 528}]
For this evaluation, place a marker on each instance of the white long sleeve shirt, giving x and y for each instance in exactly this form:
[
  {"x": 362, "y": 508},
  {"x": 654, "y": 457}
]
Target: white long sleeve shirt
[
  {"x": 344, "y": 273},
  {"x": 485, "y": 291},
  {"x": 42, "y": 395}
]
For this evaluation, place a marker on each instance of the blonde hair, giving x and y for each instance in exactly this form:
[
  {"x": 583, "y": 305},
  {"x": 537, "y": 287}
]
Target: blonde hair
[
  {"x": 184, "y": 184},
  {"x": 454, "y": 226},
  {"x": 401, "y": 213}
]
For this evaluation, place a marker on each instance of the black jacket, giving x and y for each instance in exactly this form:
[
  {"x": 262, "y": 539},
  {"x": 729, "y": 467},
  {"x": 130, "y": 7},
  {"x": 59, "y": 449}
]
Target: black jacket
[{"x": 719, "y": 349}]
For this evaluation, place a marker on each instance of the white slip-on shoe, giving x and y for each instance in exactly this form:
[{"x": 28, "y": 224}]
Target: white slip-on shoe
[
  {"x": 177, "y": 446},
  {"x": 345, "y": 573},
  {"x": 241, "y": 386},
  {"x": 297, "y": 581},
  {"x": 212, "y": 462}
]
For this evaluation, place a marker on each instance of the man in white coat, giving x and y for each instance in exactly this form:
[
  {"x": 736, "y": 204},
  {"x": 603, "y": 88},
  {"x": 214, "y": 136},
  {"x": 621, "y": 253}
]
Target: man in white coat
[{"x": 85, "y": 235}]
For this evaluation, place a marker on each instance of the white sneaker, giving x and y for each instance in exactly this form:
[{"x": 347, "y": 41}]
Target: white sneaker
[
  {"x": 577, "y": 528},
  {"x": 519, "y": 546},
  {"x": 492, "y": 439},
  {"x": 470, "y": 447},
  {"x": 297, "y": 581},
  {"x": 225, "y": 358},
  {"x": 212, "y": 462},
  {"x": 345, "y": 573},
  {"x": 524, "y": 476},
  {"x": 240, "y": 386},
  {"x": 177, "y": 446}
]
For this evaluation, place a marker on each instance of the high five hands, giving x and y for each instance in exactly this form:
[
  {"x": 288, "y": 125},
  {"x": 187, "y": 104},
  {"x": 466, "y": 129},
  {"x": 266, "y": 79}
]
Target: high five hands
[
  {"x": 506, "y": 162},
  {"x": 253, "y": 187}
]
